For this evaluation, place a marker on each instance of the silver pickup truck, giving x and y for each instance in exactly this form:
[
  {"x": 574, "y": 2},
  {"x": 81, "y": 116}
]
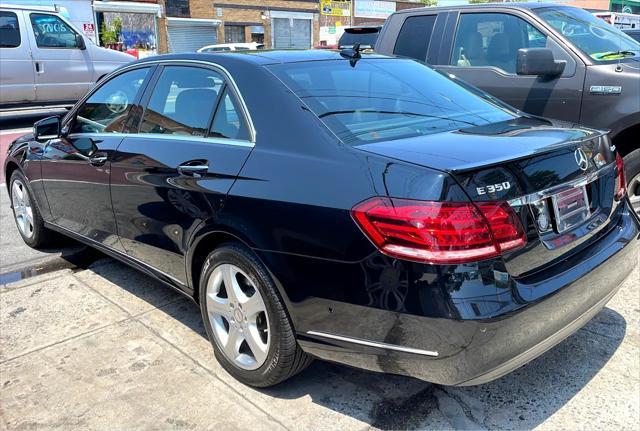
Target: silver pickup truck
[
  {"x": 45, "y": 60},
  {"x": 549, "y": 60}
]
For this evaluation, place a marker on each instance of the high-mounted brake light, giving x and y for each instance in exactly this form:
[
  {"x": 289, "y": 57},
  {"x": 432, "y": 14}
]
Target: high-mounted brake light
[
  {"x": 439, "y": 232},
  {"x": 621, "y": 180}
]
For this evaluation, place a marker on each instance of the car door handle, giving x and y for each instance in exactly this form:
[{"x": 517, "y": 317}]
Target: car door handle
[
  {"x": 98, "y": 159},
  {"x": 194, "y": 168},
  {"x": 39, "y": 68}
]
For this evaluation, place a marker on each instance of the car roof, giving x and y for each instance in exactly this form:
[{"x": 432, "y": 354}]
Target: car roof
[
  {"x": 517, "y": 5},
  {"x": 28, "y": 7},
  {"x": 261, "y": 57}
]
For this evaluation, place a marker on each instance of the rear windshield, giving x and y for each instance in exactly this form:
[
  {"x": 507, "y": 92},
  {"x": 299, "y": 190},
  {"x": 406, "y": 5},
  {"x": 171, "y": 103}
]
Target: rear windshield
[
  {"x": 386, "y": 99},
  {"x": 365, "y": 37}
]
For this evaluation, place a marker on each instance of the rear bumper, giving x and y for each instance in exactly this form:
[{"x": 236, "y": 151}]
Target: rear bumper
[{"x": 470, "y": 352}]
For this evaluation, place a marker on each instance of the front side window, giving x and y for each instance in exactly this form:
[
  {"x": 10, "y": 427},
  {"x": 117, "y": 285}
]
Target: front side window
[
  {"x": 413, "y": 39},
  {"x": 591, "y": 35},
  {"x": 51, "y": 32},
  {"x": 228, "y": 122},
  {"x": 493, "y": 40},
  {"x": 9, "y": 30},
  {"x": 106, "y": 110},
  {"x": 385, "y": 99},
  {"x": 182, "y": 101}
]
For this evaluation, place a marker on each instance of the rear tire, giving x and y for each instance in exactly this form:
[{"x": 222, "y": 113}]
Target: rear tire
[
  {"x": 254, "y": 315},
  {"x": 632, "y": 172},
  {"x": 26, "y": 213}
]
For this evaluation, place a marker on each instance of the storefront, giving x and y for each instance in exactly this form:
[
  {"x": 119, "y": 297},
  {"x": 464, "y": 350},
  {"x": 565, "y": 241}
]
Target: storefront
[
  {"x": 128, "y": 26},
  {"x": 189, "y": 34},
  {"x": 291, "y": 30}
]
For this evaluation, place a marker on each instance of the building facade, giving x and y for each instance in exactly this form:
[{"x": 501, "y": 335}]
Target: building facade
[{"x": 191, "y": 24}]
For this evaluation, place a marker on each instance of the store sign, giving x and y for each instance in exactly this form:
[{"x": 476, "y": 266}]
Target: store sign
[
  {"x": 88, "y": 28},
  {"x": 373, "y": 9},
  {"x": 335, "y": 7}
]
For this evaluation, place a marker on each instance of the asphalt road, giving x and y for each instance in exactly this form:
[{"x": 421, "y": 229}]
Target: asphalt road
[{"x": 88, "y": 343}]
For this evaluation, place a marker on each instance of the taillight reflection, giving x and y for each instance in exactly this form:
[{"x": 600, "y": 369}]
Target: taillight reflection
[{"x": 621, "y": 180}]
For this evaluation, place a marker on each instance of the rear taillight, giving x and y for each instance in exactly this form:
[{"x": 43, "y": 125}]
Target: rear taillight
[
  {"x": 439, "y": 232},
  {"x": 621, "y": 180}
]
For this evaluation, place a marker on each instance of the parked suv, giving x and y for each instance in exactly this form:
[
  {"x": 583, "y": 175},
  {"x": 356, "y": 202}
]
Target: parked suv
[
  {"x": 46, "y": 60},
  {"x": 555, "y": 61}
]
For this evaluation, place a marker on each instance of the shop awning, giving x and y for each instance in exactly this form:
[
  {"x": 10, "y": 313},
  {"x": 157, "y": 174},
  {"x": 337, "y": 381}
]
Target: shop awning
[{"x": 127, "y": 7}]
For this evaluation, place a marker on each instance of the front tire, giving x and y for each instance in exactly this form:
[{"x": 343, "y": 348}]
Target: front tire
[
  {"x": 26, "y": 214},
  {"x": 632, "y": 172},
  {"x": 246, "y": 320}
]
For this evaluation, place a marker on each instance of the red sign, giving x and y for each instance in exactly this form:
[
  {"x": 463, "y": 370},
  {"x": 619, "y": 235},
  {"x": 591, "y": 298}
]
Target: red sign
[{"x": 88, "y": 27}]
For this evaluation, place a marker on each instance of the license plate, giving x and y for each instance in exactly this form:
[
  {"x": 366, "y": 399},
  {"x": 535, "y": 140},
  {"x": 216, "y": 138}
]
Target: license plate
[{"x": 571, "y": 208}]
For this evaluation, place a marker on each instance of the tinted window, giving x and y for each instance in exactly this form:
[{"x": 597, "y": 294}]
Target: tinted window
[
  {"x": 413, "y": 40},
  {"x": 51, "y": 32},
  {"x": 365, "y": 37},
  {"x": 9, "y": 30},
  {"x": 182, "y": 102},
  {"x": 493, "y": 39},
  {"x": 385, "y": 99},
  {"x": 228, "y": 122},
  {"x": 106, "y": 110}
]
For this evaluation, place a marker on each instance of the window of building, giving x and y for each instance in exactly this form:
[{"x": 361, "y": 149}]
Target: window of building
[
  {"x": 107, "y": 109},
  {"x": 177, "y": 8},
  {"x": 234, "y": 34},
  {"x": 9, "y": 30},
  {"x": 182, "y": 102},
  {"x": 51, "y": 32}
]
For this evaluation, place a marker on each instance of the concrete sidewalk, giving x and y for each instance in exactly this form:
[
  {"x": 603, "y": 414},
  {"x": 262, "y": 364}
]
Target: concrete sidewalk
[{"x": 109, "y": 348}]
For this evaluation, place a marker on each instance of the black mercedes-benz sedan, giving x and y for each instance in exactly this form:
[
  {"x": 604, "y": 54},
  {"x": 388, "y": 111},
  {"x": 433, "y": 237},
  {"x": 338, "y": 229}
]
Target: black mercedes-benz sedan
[{"x": 356, "y": 208}]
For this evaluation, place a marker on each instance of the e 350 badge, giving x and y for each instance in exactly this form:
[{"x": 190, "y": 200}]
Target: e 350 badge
[{"x": 493, "y": 188}]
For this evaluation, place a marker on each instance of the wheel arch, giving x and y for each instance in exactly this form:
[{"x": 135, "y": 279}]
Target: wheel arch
[
  {"x": 627, "y": 139},
  {"x": 204, "y": 242},
  {"x": 10, "y": 168}
]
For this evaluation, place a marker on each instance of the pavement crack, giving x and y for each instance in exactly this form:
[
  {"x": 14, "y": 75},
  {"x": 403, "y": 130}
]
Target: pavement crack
[{"x": 457, "y": 412}]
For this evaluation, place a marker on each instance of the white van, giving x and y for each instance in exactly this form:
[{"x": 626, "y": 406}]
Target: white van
[{"x": 44, "y": 60}]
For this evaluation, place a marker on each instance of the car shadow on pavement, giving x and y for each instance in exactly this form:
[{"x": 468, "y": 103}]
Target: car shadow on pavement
[{"x": 522, "y": 399}]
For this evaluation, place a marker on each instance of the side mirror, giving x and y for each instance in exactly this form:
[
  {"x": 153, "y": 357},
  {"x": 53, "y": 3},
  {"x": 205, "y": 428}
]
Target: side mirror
[
  {"x": 80, "y": 44},
  {"x": 48, "y": 128},
  {"x": 538, "y": 61}
]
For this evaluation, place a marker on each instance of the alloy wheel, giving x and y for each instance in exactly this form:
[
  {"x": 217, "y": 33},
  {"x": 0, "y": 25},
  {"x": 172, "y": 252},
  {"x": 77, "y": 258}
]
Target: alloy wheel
[
  {"x": 22, "y": 208},
  {"x": 634, "y": 193},
  {"x": 238, "y": 317}
]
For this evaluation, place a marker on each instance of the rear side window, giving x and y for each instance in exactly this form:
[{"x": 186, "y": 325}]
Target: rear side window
[
  {"x": 228, "y": 122},
  {"x": 9, "y": 30},
  {"x": 182, "y": 101},
  {"x": 414, "y": 37},
  {"x": 51, "y": 32}
]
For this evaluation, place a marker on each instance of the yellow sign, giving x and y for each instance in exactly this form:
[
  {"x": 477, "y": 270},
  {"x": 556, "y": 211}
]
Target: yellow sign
[{"x": 335, "y": 7}]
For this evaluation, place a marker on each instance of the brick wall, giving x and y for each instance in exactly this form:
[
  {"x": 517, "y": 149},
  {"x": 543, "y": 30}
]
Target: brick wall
[{"x": 243, "y": 12}]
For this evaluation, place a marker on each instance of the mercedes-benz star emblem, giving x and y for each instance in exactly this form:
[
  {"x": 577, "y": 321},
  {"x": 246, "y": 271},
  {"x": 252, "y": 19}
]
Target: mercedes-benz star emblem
[{"x": 581, "y": 159}]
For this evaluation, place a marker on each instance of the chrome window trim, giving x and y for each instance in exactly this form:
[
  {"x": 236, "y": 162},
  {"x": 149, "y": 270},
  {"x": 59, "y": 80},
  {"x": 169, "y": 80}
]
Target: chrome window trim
[
  {"x": 152, "y": 63},
  {"x": 169, "y": 137},
  {"x": 376, "y": 344}
]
